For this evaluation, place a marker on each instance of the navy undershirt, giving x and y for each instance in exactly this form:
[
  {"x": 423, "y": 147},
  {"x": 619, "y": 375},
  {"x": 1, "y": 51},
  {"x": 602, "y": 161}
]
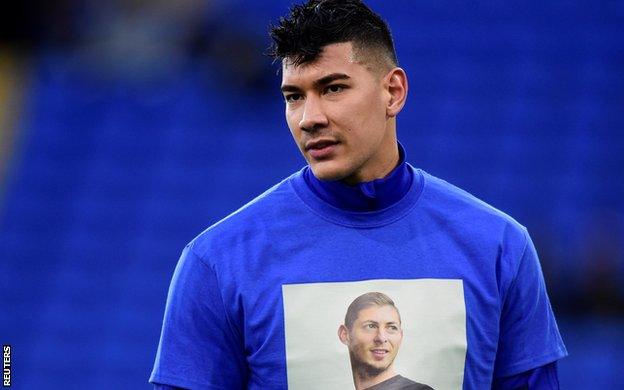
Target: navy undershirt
[{"x": 372, "y": 195}]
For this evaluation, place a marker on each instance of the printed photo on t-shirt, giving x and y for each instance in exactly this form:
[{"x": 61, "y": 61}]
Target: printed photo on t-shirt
[{"x": 375, "y": 334}]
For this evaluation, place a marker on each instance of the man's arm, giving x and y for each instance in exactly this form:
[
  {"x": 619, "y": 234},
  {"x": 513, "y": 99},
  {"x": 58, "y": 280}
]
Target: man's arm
[
  {"x": 199, "y": 346},
  {"x": 541, "y": 378},
  {"x": 158, "y": 386},
  {"x": 529, "y": 340}
]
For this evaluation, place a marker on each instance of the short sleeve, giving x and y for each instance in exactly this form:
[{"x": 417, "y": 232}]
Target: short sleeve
[
  {"x": 529, "y": 336},
  {"x": 542, "y": 378},
  {"x": 198, "y": 349}
]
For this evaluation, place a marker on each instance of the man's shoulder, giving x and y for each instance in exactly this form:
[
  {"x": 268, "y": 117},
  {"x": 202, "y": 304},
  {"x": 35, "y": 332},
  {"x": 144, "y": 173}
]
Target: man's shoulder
[
  {"x": 407, "y": 384},
  {"x": 463, "y": 215},
  {"x": 262, "y": 210},
  {"x": 446, "y": 198},
  {"x": 399, "y": 382}
]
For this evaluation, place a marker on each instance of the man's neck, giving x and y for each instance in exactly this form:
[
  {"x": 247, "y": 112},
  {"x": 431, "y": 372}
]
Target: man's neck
[
  {"x": 383, "y": 168},
  {"x": 363, "y": 381},
  {"x": 369, "y": 196}
]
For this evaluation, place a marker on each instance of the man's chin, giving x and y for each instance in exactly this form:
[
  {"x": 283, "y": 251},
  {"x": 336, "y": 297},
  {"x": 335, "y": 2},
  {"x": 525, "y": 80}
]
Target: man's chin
[
  {"x": 373, "y": 370},
  {"x": 370, "y": 369},
  {"x": 327, "y": 171}
]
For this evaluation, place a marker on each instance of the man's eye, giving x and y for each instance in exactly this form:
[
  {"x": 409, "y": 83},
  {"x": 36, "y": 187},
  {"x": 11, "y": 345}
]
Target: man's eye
[
  {"x": 292, "y": 98},
  {"x": 334, "y": 88},
  {"x": 371, "y": 326}
]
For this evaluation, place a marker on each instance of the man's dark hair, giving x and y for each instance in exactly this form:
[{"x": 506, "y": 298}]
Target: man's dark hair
[
  {"x": 301, "y": 35},
  {"x": 365, "y": 301}
]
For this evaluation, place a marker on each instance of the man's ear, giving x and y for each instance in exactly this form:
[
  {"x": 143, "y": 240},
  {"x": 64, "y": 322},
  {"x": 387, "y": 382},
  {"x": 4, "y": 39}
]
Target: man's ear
[
  {"x": 397, "y": 87},
  {"x": 343, "y": 334},
  {"x": 402, "y": 336}
]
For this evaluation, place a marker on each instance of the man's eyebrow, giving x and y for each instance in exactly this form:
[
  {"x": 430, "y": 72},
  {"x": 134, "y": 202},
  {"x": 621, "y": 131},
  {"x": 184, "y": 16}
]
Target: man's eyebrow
[
  {"x": 289, "y": 88},
  {"x": 323, "y": 81},
  {"x": 330, "y": 79},
  {"x": 377, "y": 323}
]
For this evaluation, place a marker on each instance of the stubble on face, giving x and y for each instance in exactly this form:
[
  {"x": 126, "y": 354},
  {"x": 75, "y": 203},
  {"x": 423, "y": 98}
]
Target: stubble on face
[
  {"x": 353, "y": 117},
  {"x": 386, "y": 335},
  {"x": 364, "y": 370}
]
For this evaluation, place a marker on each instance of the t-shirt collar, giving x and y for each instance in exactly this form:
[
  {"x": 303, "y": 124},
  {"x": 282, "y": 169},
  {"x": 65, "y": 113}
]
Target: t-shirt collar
[{"x": 372, "y": 195}]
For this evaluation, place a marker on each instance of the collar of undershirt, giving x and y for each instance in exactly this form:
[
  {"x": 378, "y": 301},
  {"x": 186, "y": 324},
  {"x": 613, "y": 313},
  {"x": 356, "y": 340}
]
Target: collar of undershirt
[{"x": 372, "y": 195}]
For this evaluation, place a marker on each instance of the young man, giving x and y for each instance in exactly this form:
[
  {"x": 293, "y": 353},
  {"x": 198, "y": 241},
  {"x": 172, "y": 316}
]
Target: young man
[
  {"x": 357, "y": 212},
  {"x": 373, "y": 333}
]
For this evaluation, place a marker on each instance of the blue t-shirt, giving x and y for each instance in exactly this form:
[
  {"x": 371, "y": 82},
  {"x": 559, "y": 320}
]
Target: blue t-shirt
[{"x": 227, "y": 323}]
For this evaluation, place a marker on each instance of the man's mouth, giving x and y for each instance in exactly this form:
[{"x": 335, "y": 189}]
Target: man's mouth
[
  {"x": 379, "y": 354},
  {"x": 320, "y": 144},
  {"x": 321, "y": 149}
]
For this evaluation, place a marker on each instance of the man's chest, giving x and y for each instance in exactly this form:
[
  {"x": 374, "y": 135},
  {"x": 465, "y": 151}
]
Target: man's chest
[{"x": 291, "y": 300}]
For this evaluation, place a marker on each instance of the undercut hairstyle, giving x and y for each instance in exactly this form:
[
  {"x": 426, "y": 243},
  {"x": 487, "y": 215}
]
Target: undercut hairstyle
[
  {"x": 365, "y": 301},
  {"x": 301, "y": 36}
]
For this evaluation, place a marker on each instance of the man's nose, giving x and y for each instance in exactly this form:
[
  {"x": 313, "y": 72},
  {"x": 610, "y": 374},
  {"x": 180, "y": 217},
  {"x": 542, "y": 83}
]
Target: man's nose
[
  {"x": 313, "y": 116},
  {"x": 381, "y": 336}
]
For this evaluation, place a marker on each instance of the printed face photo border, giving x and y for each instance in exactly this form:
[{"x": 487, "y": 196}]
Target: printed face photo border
[{"x": 433, "y": 321}]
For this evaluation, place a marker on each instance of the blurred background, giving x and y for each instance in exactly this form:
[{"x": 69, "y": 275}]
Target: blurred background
[{"x": 129, "y": 126}]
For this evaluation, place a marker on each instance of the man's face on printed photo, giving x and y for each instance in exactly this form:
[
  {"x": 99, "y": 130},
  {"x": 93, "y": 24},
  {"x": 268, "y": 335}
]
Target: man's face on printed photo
[
  {"x": 336, "y": 111},
  {"x": 374, "y": 339}
]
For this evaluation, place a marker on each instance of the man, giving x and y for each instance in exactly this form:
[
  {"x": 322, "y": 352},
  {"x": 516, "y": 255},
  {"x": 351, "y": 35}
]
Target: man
[
  {"x": 372, "y": 331},
  {"x": 357, "y": 212}
]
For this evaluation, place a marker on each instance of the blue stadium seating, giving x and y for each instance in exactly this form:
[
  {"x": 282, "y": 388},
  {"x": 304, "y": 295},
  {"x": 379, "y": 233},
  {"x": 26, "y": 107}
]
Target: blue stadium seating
[{"x": 520, "y": 105}]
